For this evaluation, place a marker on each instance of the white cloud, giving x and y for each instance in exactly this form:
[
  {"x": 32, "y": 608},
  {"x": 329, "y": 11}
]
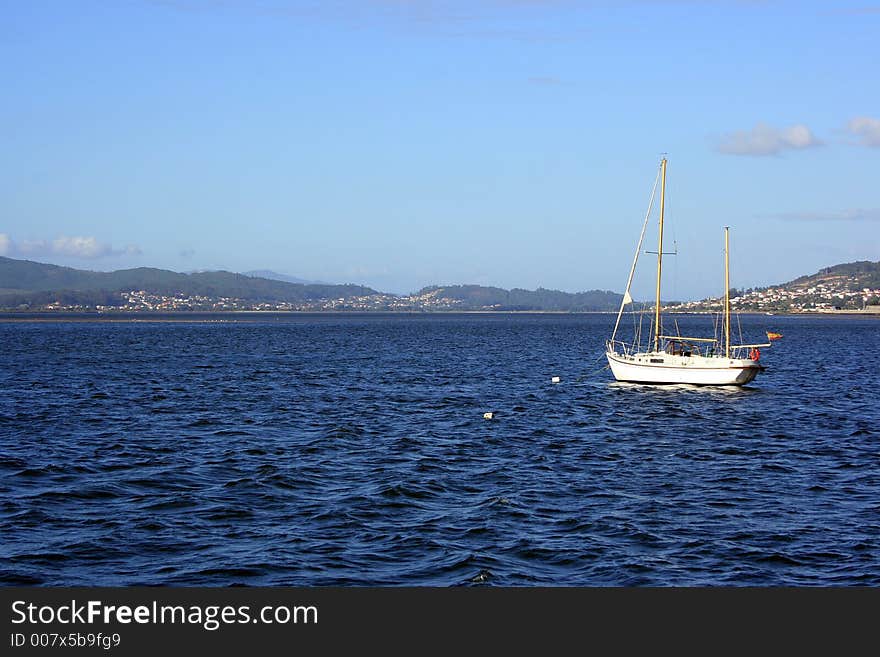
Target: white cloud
[
  {"x": 80, "y": 247},
  {"x": 87, "y": 248},
  {"x": 856, "y": 214},
  {"x": 866, "y": 129},
  {"x": 764, "y": 139},
  {"x": 33, "y": 247}
]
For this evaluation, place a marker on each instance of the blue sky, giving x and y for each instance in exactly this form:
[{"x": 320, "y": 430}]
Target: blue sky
[{"x": 402, "y": 143}]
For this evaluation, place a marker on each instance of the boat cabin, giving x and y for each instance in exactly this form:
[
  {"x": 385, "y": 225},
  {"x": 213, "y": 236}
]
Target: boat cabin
[{"x": 680, "y": 348}]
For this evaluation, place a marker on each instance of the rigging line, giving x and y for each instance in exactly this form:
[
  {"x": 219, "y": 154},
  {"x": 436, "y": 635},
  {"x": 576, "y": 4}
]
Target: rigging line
[
  {"x": 675, "y": 296},
  {"x": 593, "y": 372},
  {"x": 641, "y": 324},
  {"x": 637, "y": 330},
  {"x": 671, "y": 223},
  {"x": 637, "y": 333},
  {"x": 637, "y": 316},
  {"x": 634, "y": 324},
  {"x": 632, "y": 270},
  {"x": 589, "y": 374}
]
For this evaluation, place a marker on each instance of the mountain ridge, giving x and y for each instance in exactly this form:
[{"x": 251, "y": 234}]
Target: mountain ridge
[
  {"x": 863, "y": 272},
  {"x": 21, "y": 280},
  {"x": 29, "y": 284},
  {"x": 275, "y": 276},
  {"x": 850, "y": 286}
]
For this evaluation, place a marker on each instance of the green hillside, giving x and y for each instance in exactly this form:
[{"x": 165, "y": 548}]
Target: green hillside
[
  {"x": 33, "y": 285},
  {"x": 26, "y": 282},
  {"x": 858, "y": 275},
  {"x": 474, "y": 297}
]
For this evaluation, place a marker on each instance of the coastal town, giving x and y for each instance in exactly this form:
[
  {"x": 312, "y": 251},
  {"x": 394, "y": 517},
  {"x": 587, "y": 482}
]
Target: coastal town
[
  {"x": 826, "y": 297},
  {"x": 844, "y": 288},
  {"x": 822, "y": 297},
  {"x": 141, "y": 300}
]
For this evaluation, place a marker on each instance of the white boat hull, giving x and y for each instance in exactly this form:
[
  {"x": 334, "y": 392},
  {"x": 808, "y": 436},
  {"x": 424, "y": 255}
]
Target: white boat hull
[{"x": 697, "y": 370}]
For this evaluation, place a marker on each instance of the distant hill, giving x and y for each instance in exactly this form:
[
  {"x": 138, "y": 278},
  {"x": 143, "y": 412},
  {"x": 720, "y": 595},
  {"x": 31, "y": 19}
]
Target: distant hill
[
  {"x": 855, "y": 275},
  {"x": 275, "y": 276},
  {"x": 27, "y": 282},
  {"x": 475, "y": 297},
  {"x": 851, "y": 286}
]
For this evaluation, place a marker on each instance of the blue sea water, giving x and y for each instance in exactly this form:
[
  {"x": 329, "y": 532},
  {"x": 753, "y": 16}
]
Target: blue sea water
[{"x": 352, "y": 450}]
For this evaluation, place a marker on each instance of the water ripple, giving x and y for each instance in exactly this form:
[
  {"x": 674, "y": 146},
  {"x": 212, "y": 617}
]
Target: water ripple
[{"x": 352, "y": 450}]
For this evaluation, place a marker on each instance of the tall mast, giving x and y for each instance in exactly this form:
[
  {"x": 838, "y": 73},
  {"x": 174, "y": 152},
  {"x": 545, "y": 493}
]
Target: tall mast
[
  {"x": 660, "y": 253},
  {"x": 727, "y": 292}
]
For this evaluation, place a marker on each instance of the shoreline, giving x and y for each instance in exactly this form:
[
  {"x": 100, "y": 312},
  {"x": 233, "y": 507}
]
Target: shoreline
[{"x": 255, "y": 315}]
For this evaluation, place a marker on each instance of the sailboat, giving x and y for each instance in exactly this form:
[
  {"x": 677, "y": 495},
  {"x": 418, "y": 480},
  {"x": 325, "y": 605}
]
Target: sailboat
[{"x": 674, "y": 358}]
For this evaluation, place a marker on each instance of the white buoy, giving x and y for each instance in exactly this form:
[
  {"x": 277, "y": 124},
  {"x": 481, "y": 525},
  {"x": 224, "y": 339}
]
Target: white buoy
[
  {"x": 555, "y": 379},
  {"x": 489, "y": 415}
]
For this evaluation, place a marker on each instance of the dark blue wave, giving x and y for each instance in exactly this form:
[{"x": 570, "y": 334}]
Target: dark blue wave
[{"x": 346, "y": 450}]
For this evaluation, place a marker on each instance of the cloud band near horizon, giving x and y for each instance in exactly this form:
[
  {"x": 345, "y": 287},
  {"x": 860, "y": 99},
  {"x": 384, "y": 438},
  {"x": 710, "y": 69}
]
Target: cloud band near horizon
[{"x": 86, "y": 248}]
